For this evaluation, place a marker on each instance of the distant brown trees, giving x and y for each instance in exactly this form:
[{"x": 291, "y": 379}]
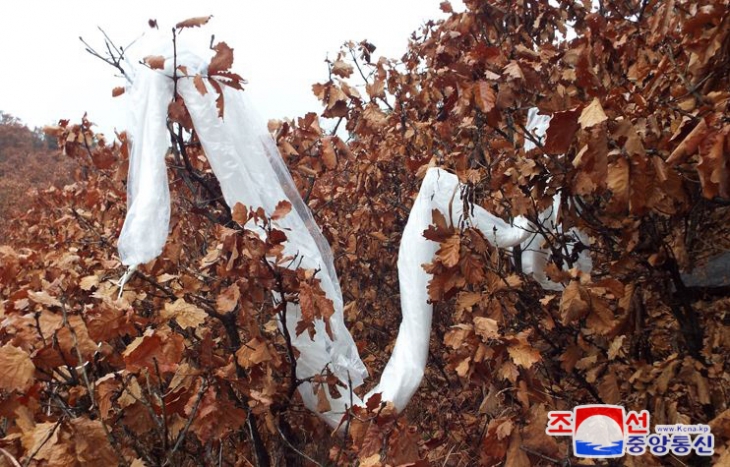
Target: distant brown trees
[{"x": 28, "y": 160}]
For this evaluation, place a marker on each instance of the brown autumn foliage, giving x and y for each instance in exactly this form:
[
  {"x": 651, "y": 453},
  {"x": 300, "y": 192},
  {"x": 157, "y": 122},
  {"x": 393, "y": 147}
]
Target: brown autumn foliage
[{"x": 189, "y": 366}]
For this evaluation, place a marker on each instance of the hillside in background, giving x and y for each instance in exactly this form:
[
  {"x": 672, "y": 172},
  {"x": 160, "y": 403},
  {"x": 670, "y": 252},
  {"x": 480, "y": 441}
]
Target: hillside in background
[{"x": 29, "y": 160}]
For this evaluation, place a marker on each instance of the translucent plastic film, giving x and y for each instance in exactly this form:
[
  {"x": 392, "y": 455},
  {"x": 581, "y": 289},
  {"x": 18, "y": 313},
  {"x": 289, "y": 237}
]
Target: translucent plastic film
[
  {"x": 148, "y": 197},
  {"x": 148, "y": 94},
  {"x": 250, "y": 170},
  {"x": 439, "y": 191}
]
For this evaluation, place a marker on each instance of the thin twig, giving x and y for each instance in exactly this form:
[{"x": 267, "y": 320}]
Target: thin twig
[
  {"x": 541, "y": 456},
  {"x": 109, "y": 436},
  {"x": 168, "y": 293},
  {"x": 337, "y": 125},
  {"x": 113, "y": 59},
  {"x": 357, "y": 65},
  {"x": 690, "y": 88},
  {"x": 449, "y": 455},
  {"x": 40, "y": 446},
  {"x": 181, "y": 436},
  {"x": 10, "y": 457},
  {"x": 80, "y": 359},
  {"x": 294, "y": 381},
  {"x": 160, "y": 396},
  {"x": 143, "y": 401},
  {"x": 348, "y": 420},
  {"x": 297, "y": 450}
]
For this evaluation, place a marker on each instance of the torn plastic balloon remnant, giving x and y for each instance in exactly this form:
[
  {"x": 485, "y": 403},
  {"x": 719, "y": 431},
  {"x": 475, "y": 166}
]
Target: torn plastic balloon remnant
[{"x": 250, "y": 170}]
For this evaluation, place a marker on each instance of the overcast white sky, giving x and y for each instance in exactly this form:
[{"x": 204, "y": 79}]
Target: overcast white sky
[{"x": 280, "y": 47}]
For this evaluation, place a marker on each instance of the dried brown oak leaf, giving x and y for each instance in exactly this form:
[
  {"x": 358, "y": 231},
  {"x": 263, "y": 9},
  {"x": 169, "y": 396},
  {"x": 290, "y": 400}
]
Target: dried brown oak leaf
[
  {"x": 222, "y": 60},
  {"x": 16, "y": 369},
  {"x": 185, "y": 314},
  {"x": 156, "y": 62},
  {"x": 193, "y": 22}
]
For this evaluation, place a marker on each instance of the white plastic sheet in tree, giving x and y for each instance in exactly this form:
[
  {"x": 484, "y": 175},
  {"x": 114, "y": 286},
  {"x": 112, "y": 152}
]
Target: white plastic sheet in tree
[
  {"x": 250, "y": 170},
  {"x": 148, "y": 197},
  {"x": 439, "y": 191},
  {"x": 535, "y": 251}
]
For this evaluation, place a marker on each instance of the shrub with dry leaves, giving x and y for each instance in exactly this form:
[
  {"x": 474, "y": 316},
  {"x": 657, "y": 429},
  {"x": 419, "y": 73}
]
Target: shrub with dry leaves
[{"x": 189, "y": 367}]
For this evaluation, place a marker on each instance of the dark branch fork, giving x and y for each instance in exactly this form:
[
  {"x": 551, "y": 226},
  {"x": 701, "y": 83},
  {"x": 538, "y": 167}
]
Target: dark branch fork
[{"x": 114, "y": 55}]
